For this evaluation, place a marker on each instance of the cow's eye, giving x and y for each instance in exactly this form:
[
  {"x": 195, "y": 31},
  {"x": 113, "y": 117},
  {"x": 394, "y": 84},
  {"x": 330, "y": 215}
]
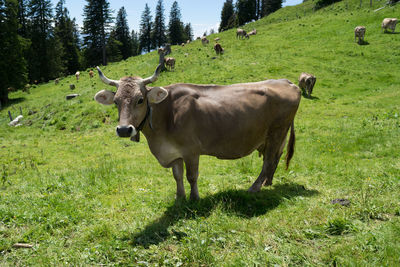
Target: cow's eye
[{"x": 140, "y": 101}]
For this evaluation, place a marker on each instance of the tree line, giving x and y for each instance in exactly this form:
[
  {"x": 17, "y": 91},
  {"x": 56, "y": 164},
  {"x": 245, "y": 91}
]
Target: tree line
[
  {"x": 39, "y": 43},
  {"x": 243, "y": 11}
]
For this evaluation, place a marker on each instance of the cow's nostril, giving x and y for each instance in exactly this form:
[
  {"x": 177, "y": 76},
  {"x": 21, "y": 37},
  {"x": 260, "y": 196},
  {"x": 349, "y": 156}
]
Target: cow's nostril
[{"x": 130, "y": 130}]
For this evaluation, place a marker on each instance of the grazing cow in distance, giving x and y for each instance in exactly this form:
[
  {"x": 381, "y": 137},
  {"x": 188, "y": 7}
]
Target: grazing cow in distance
[
  {"x": 389, "y": 23},
  {"x": 56, "y": 81},
  {"x": 183, "y": 121},
  {"x": 161, "y": 50},
  {"x": 359, "y": 32},
  {"x": 253, "y": 32},
  {"x": 166, "y": 50},
  {"x": 77, "y": 74},
  {"x": 182, "y": 44},
  {"x": 170, "y": 62},
  {"x": 91, "y": 74},
  {"x": 240, "y": 33},
  {"x": 307, "y": 82},
  {"x": 204, "y": 40},
  {"x": 188, "y": 42},
  {"x": 218, "y": 49}
]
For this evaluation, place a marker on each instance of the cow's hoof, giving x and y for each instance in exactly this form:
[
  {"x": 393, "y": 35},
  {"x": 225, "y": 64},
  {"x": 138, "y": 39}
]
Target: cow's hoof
[
  {"x": 268, "y": 183},
  {"x": 253, "y": 190}
]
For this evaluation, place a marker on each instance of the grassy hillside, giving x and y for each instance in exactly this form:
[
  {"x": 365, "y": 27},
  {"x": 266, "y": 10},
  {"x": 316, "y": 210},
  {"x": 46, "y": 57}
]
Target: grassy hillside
[{"x": 82, "y": 196}]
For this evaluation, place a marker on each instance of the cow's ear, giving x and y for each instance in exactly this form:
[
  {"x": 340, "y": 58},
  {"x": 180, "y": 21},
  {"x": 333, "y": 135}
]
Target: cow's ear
[
  {"x": 105, "y": 97},
  {"x": 157, "y": 95}
]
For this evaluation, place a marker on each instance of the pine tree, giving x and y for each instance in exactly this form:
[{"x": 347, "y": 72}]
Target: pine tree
[
  {"x": 44, "y": 59},
  {"x": 175, "y": 26},
  {"x": 188, "y": 32},
  {"x": 65, "y": 29},
  {"x": 226, "y": 14},
  {"x": 258, "y": 9},
  {"x": 12, "y": 63},
  {"x": 158, "y": 34},
  {"x": 96, "y": 27},
  {"x": 145, "y": 30},
  {"x": 22, "y": 15},
  {"x": 135, "y": 43},
  {"x": 270, "y": 6},
  {"x": 122, "y": 34},
  {"x": 114, "y": 48},
  {"x": 61, "y": 12},
  {"x": 246, "y": 11}
]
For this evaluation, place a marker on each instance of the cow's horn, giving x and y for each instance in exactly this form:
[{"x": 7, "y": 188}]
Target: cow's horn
[
  {"x": 153, "y": 78},
  {"x": 105, "y": 79}
]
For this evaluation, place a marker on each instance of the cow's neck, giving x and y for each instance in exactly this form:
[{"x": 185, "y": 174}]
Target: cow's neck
[
  {"x": 147, "y": 119},
  {"x": 147, "y": 123},
  {"x": 155, "y": 122}
]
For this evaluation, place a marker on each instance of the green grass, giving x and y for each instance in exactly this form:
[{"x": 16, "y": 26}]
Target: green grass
[{"x": 82, "y": 196}]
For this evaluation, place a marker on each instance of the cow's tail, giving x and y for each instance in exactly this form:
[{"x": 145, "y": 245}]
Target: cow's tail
[{"x": 290, "y": 146}]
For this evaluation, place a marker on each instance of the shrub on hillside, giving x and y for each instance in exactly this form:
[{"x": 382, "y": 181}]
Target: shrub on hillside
[{"x": 323, "y": 3}]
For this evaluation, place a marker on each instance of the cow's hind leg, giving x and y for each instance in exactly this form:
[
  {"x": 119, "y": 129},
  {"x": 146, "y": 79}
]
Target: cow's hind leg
[
  {"x": 260, "y": 180},
  {"x": 192, "y": 173},
  {"x": 275, "y": 144},
  {"x": 177, "y": 170}
]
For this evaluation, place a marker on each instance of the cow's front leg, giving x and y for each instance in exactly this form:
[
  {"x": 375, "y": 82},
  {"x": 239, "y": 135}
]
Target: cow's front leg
[
  {"x": 177, "y": 170},
  {"x": 192, "y": 173}
]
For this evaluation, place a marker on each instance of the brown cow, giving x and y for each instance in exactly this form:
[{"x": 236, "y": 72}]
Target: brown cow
[
  {"x": 91, "y": 74},
  {"x": 240, "y": 33},
  {"x": 307, "y": 82},
  {"x": 389, "y": 23},
  {"x": 218, "y": 49},
  {"x": 161, "y": 50},
  {"x": 359, "y": 32},
  {"x": 170, "y": 62},
  {"x": 166, "y": 50},
  {"x": 253, "y": 32},
  {"x": 204, "y": 40},
  {"x": 183, "y": 121}
]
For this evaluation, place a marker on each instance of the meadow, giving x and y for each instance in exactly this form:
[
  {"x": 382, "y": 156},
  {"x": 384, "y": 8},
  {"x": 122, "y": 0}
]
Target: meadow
[{"x": 82, "y": 196}]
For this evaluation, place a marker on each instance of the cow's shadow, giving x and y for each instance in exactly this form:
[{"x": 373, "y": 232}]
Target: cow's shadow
[
  {"x": 311, "y": 97},
  {"x": 362, "y": 42},
  {"x": 12, "y": 101},
  {"x": 237, "y": 202}
]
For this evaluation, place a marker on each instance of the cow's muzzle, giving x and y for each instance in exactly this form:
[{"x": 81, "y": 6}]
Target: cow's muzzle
[{"x": 126, "y": 131}]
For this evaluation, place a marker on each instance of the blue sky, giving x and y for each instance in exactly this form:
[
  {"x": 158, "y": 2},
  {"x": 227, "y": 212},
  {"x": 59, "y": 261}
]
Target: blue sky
[{"x": 203, "y": 15}]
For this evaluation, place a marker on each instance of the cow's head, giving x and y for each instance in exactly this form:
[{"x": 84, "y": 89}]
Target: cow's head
[{"x": 132, "y": 98}]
